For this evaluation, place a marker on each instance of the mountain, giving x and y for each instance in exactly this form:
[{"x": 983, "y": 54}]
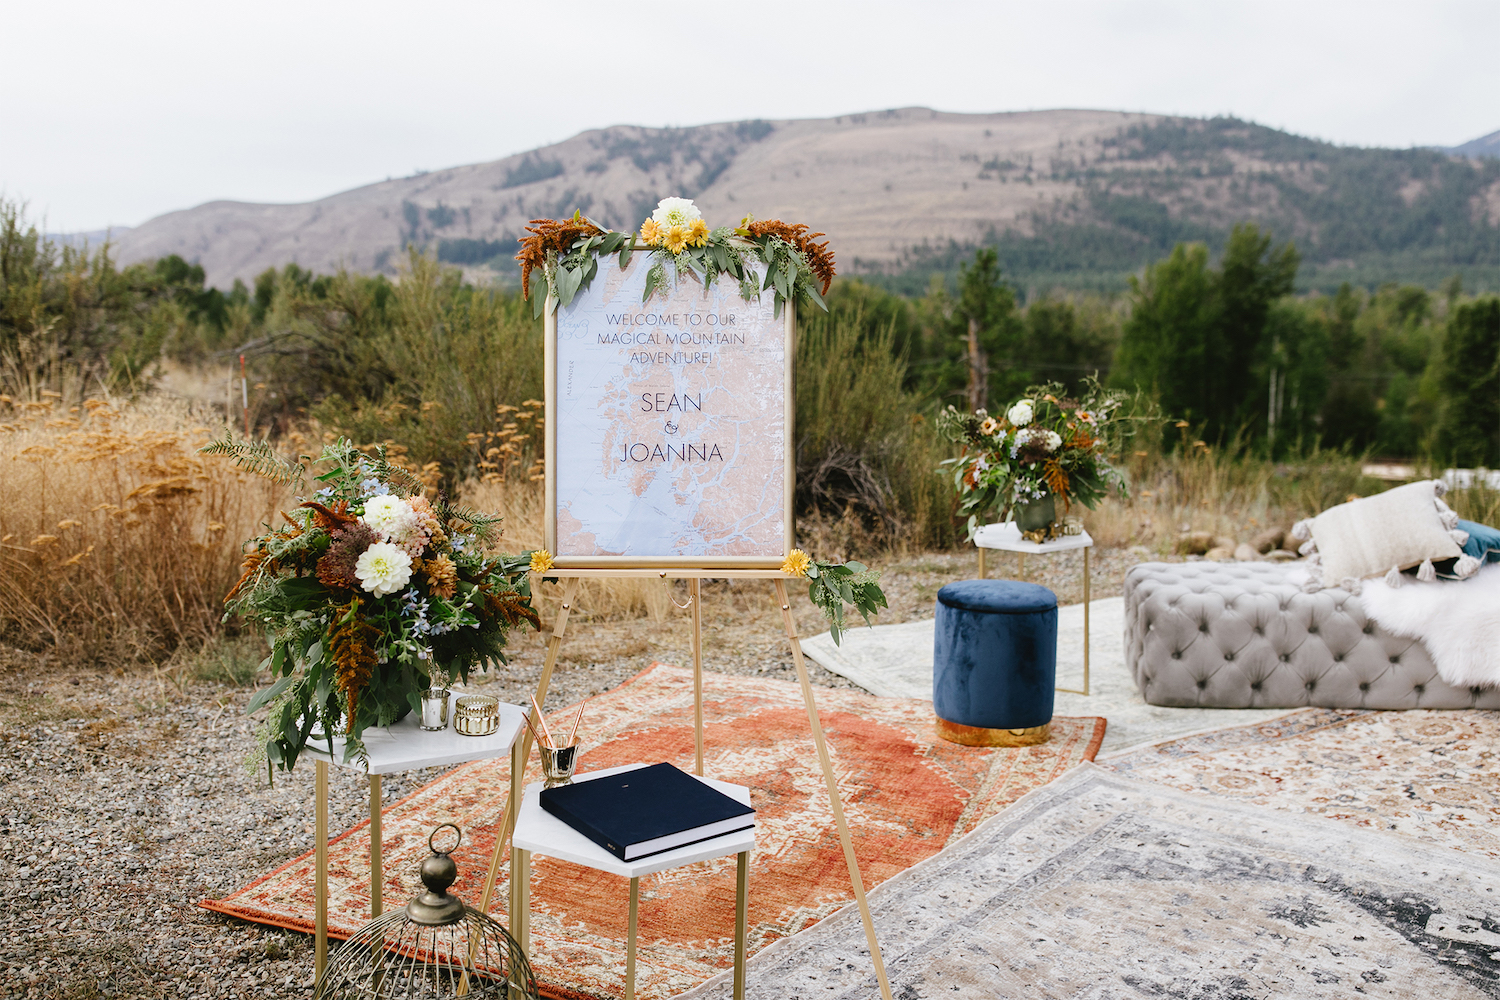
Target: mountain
[
  {"x": 1068, "y": 197},
  {"x": 1487, "y": 145}
]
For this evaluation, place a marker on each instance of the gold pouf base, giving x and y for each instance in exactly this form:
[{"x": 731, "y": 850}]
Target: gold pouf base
[{"x": 979, "y": 736}]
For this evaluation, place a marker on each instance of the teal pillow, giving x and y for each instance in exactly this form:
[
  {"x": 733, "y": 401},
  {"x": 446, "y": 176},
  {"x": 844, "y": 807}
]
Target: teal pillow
[{"x": 1483, "y": 543}]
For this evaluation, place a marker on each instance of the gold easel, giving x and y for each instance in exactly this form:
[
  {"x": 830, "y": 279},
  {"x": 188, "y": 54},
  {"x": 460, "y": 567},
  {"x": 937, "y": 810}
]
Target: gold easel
[{"x": 522, "y": 751}]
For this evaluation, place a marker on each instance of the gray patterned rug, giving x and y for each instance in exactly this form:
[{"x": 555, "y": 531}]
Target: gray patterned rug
[
  {"x": 895, "y": 661},
  {"x": 1100, "y": 886}
]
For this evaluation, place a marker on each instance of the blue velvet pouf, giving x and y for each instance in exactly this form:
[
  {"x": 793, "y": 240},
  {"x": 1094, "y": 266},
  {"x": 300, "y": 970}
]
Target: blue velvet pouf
[{"x": 994, "y": 662}]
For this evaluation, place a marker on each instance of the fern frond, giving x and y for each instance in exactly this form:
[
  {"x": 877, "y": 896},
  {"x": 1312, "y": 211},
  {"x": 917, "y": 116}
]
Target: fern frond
[
  {"x": 485, "y": 527},
  {"x": 399, "y": 479},
  {"x": 258, "y": 457}
]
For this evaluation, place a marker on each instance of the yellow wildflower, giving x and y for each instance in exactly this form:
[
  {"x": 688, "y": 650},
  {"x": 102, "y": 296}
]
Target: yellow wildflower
[
  {"x": 698, "y": 233},
  {"x": 651, "y": 232},
  {"x": 796, "y": 563},
  {"x": 677, "y": 239},
  {"x": 541, "y": 561}
]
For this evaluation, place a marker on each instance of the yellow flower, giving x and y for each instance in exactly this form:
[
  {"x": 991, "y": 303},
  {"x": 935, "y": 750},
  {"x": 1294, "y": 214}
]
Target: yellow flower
[
  {"x": 541, "y": 561},
  {"x": 677, "y": 239},
  {"x": 796, "y": 563},
  {"x": 651, "y": 232},
  {"x": 698, "y": 233}
]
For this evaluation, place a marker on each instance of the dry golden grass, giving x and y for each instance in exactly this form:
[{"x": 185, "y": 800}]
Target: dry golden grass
[
  {"x": 117, "y": 540},
  {"x": 1199, "y": 488},
  {"x": 520, "y": 502}
]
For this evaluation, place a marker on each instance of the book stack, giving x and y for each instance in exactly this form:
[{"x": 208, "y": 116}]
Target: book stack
[{"x": 637, "y": 813}]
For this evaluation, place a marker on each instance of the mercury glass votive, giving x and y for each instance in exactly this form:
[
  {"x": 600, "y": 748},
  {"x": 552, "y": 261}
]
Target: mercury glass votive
[
  {"x": 435, "y": 709},
  {"x": 558, "y": 764}
]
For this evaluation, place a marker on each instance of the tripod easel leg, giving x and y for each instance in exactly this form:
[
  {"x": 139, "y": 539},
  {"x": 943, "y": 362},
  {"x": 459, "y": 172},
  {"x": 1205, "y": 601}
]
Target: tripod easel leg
[
  {"x": 518, "y": 762},
  {"x": 833, "y": 789}
]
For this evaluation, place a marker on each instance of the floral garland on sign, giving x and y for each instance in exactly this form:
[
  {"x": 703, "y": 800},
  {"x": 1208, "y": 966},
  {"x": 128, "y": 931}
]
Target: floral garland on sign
[
  {"x": 566, "y": 253},
  {"x": 369, "y": 593}
]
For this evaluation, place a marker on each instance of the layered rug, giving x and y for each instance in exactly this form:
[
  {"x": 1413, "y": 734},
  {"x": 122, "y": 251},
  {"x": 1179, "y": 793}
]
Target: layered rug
[
  {"x": 1430, "y": 775},
  {"x": 896, "y": 661},
  {"x": 907, "y": 794},
  {"x": 1104, "y": 886}
]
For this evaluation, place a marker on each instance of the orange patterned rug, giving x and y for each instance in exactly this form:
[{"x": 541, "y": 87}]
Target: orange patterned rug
[{"x": 907, "y": 794}]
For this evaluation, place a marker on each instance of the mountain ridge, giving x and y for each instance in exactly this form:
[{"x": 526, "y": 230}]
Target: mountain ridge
[{"x": 899, "y": 192}]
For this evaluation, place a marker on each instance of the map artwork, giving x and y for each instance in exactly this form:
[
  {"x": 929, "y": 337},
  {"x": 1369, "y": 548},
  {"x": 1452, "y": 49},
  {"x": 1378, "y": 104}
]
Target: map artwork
[{"x": 670, "y": 423}]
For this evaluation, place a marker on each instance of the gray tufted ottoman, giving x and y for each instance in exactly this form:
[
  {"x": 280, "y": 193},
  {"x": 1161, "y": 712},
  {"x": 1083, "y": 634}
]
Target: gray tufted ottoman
[{"x": 1242, "y": 635}]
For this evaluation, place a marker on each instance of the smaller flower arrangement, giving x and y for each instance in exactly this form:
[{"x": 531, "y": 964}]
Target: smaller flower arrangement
[
  {"x": 369, "y": 593},
  {"x": 1045, "y": 444},
  {"x": 832, "y": 585}
]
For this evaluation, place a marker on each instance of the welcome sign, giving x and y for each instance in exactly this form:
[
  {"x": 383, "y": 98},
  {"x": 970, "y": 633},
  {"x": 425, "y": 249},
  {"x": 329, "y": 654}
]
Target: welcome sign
[{"x": 669, "y": 425}]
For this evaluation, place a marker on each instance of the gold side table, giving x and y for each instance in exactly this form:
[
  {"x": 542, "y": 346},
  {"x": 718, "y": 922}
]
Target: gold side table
[
  {"x": 1006, "y": 537},
  {"x": 539, "y": 832}
]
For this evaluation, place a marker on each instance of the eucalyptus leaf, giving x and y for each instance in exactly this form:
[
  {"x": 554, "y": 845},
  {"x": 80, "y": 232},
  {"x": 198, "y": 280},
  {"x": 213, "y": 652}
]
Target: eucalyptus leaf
[{"x": 265, "y": 696}]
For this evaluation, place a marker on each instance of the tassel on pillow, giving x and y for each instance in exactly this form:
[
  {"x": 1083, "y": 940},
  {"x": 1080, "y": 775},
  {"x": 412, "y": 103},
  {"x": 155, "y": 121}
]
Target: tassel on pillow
[
  {"x": 1307, "y": 548},
  {"x": 1426, "y": 573},
  {"x": 1312, "y": 584},
  {"x": 1460, "y": 536},
  {"x": 1466, "y": 566},
  {"x": 1439, "y": 487},
  {"x": 1352, "y": 585},
  {"x": 1302, "y": 530},
  {"x": 1393, "y": 578}
]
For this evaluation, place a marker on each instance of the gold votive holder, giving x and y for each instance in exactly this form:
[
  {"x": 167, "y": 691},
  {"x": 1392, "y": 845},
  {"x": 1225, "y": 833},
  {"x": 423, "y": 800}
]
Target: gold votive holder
[
  {"x": 558, "y": 764},
  {"x": 476, "y": 714}
]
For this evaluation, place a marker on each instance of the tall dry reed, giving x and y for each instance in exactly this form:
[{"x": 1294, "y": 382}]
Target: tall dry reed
[{"x": 117, "y": 540}]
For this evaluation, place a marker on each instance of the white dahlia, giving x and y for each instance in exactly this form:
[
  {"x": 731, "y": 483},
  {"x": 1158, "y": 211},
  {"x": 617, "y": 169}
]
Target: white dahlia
[
  {"x": 1020, "y": 414},
  {"x": 388, "y": 516},
  {"x": 676, "y": 212},
  {"x": 1051, "y": 440},
  {"x": 383, "y": 569}
]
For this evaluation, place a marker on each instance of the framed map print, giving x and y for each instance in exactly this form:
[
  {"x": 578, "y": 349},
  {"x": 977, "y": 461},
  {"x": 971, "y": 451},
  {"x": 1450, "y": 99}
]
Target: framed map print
[{"x": 669, "y": 425}]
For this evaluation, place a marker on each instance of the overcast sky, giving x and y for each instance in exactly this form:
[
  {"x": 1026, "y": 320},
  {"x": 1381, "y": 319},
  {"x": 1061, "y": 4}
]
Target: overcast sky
[{"x": 111, "y": 113}]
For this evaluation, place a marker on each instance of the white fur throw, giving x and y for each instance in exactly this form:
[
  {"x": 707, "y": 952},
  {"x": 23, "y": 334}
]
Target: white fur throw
[{"x": 1459, "y": 623}]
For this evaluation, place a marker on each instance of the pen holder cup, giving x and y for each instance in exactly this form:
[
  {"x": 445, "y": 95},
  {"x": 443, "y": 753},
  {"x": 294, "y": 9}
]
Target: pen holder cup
[{"x": 558, "y": 764}]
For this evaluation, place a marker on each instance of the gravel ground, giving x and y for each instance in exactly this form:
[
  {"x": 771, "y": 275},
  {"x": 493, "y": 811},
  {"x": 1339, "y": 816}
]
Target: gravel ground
[{"x": 125, "y": 797}]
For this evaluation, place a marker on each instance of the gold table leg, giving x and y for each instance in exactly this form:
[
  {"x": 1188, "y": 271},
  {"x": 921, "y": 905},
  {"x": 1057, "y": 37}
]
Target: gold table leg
[
  {"x": 981, "y": 561},
  {"x": 635, "y": 903},
  {"x": 1086, "y": 595},
  {"x": 741, "y": 920},
  {"x": 377, "y": 877},
  {"x": 695, "y": 595},
  {"x": 320, "y": 889}
]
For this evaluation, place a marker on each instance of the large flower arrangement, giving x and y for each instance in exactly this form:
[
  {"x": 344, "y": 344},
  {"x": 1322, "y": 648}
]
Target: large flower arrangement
[
  {"x": 567, "y": 253},
  {"x": 1044, "y": 444},
  {"x": 369, "y": 593}
]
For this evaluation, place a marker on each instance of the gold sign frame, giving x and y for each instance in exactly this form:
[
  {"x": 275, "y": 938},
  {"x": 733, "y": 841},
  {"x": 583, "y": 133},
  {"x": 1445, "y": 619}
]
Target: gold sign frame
[{"x": 652, "y": 561}]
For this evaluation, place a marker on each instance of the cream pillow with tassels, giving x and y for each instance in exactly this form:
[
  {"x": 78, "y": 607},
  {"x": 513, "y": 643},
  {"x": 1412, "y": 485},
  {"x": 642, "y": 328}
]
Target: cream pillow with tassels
[{"x": 1383, "y": 534}]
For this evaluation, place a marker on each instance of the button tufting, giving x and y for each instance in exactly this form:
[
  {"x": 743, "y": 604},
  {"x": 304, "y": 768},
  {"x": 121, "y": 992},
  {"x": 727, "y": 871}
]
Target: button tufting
[
  {"x": 1369, "y": 629},
  {"x": 1419, "y": 688},
  {"x": 1312, "y": 629},
  {"x": 1339, "y": 658},
  {"x": 1228, "y": 656},
  {"x": 1203, "y": 627},
  {"x": 1255, "y": 686},
  {"x": 1395, "y": 659},
  {"x": 1177, "y": 654},
  {"x": 1202, "y": 685},
  {"x": 1285, "y": 658},
  {"x": 1311, "y": 685},
  {"x": 1365, "y": 686}
]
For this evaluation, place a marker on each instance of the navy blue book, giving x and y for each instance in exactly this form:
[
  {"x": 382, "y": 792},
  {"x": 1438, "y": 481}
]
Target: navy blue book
[{"x": 636, "y": 813}]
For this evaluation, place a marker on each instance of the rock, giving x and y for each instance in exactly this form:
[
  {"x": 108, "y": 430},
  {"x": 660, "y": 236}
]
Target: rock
[
  {"x": 1225, "y": 542},
  {"x": 1194, "y": 543},
  {"x": 1220, "y": 553},
  {"x": 1268, "y": 540},
  {"x": 1245, "y": 552},
  {"x": 1281, "y": 555}
]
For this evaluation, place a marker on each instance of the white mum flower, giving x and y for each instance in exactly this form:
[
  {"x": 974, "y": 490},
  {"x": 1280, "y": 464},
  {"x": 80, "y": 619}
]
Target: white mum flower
[
  {"x": 389, "y": 515},
  {"x": 1020, "y": 414},
  {"x": 676, "y": 212},
  {"x": 383, "y": 569},
  {"x": 1051, "y": 440}
]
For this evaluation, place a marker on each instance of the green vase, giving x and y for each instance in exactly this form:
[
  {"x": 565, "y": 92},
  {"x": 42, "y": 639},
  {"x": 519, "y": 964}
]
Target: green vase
[{"x": 1036, "y": 515}]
